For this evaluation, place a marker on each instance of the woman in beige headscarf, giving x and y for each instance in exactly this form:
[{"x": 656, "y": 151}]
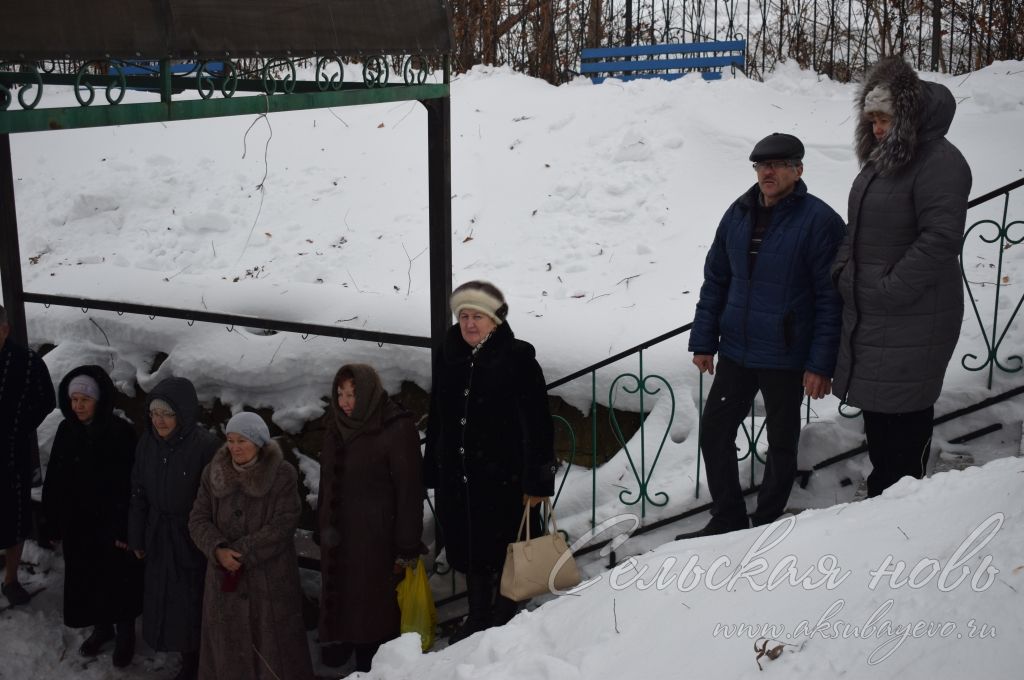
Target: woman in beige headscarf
[{"x": 370, "y": 515}]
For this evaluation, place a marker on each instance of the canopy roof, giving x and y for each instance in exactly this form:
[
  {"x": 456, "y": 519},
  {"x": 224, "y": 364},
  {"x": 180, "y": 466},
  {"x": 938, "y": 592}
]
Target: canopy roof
[{"x": 204, "y": 29}]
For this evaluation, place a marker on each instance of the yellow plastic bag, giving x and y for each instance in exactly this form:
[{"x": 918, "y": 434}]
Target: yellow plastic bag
[{"x": 417, "y": 605}]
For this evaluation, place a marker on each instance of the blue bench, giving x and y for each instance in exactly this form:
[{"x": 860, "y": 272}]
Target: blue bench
[
  {"x": 668, "y": 62},
  {"x": 152, "y": 68}
]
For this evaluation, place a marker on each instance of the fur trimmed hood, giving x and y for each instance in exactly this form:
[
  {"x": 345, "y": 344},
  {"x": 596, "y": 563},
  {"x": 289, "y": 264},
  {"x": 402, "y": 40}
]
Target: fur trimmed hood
[
  {"x": 255, "y": 482},
  {"x": 922, "y": 111}
]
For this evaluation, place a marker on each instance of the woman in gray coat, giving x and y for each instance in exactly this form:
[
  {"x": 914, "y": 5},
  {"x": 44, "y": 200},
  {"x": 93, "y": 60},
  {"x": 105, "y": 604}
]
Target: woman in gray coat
[
  {"x": 244, "y": 521},
  {"x": 169, "y": 459},
  {"x": 897, "y": 270}
]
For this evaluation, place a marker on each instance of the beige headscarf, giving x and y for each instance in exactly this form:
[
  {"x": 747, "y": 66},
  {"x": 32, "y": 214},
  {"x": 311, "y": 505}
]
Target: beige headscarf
[{"x": 370, "y": 400}]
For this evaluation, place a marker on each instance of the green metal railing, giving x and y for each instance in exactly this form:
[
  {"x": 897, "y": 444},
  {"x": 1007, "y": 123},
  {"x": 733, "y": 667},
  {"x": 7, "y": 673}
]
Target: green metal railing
[
  {"x": 995, "y": 334},
  {"x": 270, "y": 77}
]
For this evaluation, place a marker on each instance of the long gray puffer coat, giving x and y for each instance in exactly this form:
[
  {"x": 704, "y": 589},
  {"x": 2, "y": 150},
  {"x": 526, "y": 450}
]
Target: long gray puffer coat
[
  {"x": 897, "y": 270},
  {"x": 255, "y": 632},
  {"x": 165, "y": 479}
]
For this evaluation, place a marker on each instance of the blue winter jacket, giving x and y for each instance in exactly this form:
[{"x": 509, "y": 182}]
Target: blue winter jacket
[{"x": 785, "y": 314}]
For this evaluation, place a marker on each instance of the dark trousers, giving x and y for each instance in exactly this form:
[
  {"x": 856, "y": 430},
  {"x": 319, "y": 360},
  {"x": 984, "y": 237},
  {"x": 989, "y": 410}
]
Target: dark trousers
[
  {"x": 898, "y": 445},
  {"x": 728, "y": 403}
]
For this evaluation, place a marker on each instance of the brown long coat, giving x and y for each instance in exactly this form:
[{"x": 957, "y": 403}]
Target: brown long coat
[
  {"x": 255, "y": 513},
  {"x": 370, "y": 512}
]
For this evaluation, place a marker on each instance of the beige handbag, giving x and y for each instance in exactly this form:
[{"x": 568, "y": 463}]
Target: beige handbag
[{"x": 530, "y": 564}]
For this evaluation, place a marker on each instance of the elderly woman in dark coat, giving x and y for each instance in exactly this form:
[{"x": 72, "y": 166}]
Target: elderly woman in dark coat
[
  {"x": 897, "y": 270},
  {"x": 169, "y": 460},
  {"x": 490, "y": 446},
  {"x": 370, "y": 514},
  {"x": 85, "y": 504},
  {"x": 244, "y": 521}
]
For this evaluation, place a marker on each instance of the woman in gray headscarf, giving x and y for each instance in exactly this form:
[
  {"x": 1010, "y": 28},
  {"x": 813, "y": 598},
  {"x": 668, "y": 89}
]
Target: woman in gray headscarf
[{"x": 897, "y": 270}]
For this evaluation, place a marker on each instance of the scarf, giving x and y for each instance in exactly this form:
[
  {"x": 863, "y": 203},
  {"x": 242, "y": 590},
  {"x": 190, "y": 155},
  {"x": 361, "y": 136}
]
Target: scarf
[{"x": 368, "y": 414}]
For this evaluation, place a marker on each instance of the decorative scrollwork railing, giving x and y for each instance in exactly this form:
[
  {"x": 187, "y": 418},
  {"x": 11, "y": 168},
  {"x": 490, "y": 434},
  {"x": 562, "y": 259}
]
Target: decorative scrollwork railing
[
  {"x": 994, "y": 334},
  {"x": 642, "y": 474},
  {"x": 207, "y": 77}
]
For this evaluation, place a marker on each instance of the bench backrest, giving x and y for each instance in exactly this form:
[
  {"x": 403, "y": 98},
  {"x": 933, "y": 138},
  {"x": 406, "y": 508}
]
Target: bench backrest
[{"x": 667, "y": 61}]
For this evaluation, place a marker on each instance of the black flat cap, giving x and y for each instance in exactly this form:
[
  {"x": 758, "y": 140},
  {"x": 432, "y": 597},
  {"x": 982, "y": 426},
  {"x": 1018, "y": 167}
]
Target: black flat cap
[{"x": 778, "y": 146}]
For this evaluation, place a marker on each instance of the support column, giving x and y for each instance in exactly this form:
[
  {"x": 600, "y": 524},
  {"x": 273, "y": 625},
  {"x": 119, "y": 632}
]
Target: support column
[
  {"x": 10, "y": 252},
  {"x": 439, "y": 164}
]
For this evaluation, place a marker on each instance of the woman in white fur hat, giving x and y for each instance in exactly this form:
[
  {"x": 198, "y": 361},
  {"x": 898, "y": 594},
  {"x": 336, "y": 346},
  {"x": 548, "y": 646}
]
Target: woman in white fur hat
[
  {"x": 898, "y": 270},
  {"x": 490, "y": 446}
]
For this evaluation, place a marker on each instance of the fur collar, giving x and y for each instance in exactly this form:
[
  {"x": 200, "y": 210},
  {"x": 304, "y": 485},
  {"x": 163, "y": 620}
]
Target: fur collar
[
  {"x": 256, "y": 482},
  {"x": 897, "y": 148}
]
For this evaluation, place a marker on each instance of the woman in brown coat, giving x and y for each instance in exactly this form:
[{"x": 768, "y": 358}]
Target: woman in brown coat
[
  {"x": 244, "y": 521},
  {"x": 370, "y": 514}
]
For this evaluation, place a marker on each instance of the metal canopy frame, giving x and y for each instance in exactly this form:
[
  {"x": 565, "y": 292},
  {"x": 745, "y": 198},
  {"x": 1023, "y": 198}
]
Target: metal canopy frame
[{"x": 272, "y": 80}]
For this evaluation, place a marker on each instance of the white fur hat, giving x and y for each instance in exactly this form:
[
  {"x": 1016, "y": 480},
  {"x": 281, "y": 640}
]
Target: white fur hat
[
  {"x": 879, "y": 100},
  {"x": 480, "y": 296}
]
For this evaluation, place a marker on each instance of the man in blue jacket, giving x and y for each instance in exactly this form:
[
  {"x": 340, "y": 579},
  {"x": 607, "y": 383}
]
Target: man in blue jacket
[{"x": 769, "y": 310}]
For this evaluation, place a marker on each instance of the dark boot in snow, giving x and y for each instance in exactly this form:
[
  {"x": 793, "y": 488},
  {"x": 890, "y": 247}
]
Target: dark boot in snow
[
  {"x": 504, "y": 610},
  {"x": 480, "y": 593},
  {"x": 100, "y": 636},
  {"x": 189, "y": 666},
  {"x": 124, "y": 644},
  {"x": 715, "y": 528},
  {"x": 335, "y": 654},
  {"x": 15, "y": 593}
]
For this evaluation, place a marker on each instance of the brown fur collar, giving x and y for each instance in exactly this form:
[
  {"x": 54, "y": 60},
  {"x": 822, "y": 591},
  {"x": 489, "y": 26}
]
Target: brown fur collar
[
  {"x": 897, "y": 148},
  {"x": 255, "y": 482}
]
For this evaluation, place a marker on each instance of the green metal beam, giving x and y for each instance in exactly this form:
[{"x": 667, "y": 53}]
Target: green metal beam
[{"x": 73, "y": 117}]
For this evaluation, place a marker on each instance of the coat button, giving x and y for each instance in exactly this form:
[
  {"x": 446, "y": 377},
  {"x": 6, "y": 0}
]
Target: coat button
[
  {"x": 462, "y": 450},
  {"x": 464, "y": 479},
  {"x": 462, "y": 421},
  {"x": 238, "y": 513},
  {"x": 465, "y": 392}
]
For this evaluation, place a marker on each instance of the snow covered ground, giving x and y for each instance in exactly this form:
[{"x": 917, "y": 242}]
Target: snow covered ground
[{"x": 592, "y": 208}]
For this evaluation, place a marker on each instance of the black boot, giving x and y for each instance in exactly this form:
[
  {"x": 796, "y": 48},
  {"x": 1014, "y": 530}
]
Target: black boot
[
  {"x": 334, "y": 654},
  {"x": 504, "y": 610},
  {"x": 480, "y": 593},
  {"x": 100, "y": 636},
  {"x": 189, "y": 666},
  {"x": 124, "y": 644}
]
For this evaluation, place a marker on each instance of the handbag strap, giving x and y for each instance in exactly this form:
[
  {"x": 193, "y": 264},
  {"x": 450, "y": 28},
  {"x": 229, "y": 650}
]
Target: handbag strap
[{"x": 526, "y": 515}]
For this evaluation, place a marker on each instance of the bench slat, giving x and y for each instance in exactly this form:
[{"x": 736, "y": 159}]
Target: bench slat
[
  {"x": 660, "y": 64},
  {"x": 706, "y": 75},
  {"x": 672, "y": 48}
]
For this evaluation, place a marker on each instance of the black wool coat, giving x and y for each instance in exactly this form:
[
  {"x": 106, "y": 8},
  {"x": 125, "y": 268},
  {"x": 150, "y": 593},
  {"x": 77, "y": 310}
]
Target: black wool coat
[
  {"x": 490, "y": 440},
  {"x": 165, "y": 481},
  {"x": 26, "y": 398},
  {"x": 85, "y": 504}
]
